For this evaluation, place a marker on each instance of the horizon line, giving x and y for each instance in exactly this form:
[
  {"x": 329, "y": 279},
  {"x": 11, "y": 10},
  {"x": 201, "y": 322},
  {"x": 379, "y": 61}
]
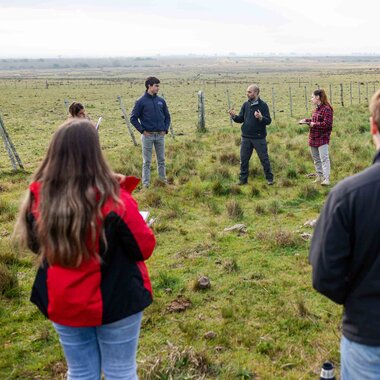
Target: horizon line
[{"x": 192, "y": 55}]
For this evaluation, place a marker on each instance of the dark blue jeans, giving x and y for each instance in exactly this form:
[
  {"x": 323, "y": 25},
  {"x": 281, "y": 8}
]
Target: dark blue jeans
[{"x": 246, "y": 149}]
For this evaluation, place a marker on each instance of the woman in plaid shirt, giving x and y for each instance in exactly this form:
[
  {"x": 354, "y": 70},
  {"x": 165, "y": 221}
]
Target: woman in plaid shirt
[{"x": 319, "y": 135}]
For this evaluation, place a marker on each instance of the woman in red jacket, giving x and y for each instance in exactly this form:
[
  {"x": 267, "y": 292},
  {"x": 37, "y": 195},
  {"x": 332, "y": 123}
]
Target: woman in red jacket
[
  {"x": 319, "y": 135},
  {"x": 92, "y": 283}
]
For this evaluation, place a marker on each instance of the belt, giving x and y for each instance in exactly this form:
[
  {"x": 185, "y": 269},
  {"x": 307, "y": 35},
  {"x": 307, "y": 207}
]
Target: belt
[{"x": 155, "y": 133}]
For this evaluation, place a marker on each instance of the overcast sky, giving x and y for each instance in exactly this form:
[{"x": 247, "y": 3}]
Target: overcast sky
[{"x": 94, "y": 28}]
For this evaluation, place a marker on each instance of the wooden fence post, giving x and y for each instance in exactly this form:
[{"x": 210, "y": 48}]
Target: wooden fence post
[
  {"x": 306, "y": 102},
  {"x": 229, "y": 104},
  {"x": 350, "y": 93},
  {"x": 341, "y": 95},
  {"x": 359, "y": 91},
  {"x": 124, "y": 111},
  {"x": 201, "y": 112},
  {"x": 273, "y": 104},
  {"x": 10, "y": 148},
  {"x": 290, "y": 101},
  {"x": 366, "y": 87},
  {"x": 67, "y": 104},
  {"x": 330, "y": 90}
]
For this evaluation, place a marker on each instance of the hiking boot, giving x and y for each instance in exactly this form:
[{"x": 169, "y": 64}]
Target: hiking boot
[
  {"x": 271, "y": 182},
  {"x": 242, "y": 183},
  {"x": 318, "y": 179}
]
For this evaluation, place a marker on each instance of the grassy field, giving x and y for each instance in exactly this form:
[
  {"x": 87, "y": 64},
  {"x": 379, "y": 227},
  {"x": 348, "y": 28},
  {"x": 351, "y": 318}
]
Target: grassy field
[{"x": 260, "y": 319}]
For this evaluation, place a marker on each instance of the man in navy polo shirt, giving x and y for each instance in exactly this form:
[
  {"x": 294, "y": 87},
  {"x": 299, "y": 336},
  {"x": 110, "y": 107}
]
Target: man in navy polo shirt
[{"x": 150, "y": 116}]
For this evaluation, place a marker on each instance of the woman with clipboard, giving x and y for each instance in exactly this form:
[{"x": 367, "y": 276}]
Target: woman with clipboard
[{"x": 320, "y": 127}]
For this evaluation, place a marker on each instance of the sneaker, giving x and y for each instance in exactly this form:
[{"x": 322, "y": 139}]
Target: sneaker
[
  {"x": 318, "y": 179},
  {"x": 271, "y": 182},
  {"x": 325, "y": 182}
]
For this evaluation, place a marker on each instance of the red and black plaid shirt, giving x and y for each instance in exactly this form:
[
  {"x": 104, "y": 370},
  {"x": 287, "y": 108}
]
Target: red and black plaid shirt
[{"x": 321, "y": 130}]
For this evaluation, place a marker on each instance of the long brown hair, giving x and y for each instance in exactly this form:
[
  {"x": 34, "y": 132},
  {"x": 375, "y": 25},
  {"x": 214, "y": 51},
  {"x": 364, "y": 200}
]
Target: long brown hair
[
  {"x": 75, "y": 182},
  {"x": 322, "y": 97}
]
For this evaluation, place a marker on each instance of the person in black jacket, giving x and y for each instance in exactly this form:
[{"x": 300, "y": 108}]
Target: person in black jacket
[
  {"x": 254, "y": 115},
  {"x": 345, "y": 257},
  {"x": 150, "y": 116}
]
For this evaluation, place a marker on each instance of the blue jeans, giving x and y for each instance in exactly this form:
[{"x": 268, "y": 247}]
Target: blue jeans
[
  {"x": 111, "y": 348},
  {"x": 246, "y": 149},
  {"x": 148, "y": 141},
  {"x": 358, "y": 361}
]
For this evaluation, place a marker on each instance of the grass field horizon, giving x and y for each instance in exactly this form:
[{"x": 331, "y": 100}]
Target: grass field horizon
[{"x": 260, "y": 319}]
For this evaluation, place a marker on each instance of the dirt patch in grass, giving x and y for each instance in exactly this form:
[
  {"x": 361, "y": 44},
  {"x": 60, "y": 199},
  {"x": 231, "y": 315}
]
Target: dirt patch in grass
[{"x": 180, "y": 304}]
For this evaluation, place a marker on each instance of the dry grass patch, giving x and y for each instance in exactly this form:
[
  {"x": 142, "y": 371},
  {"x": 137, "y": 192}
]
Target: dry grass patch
[
  {"x": 178, "y": 363},
  {"x": 234, "y": 210},
  {"x": 229, "y": 158},
  {"x": 283, "y": 239},
  {"x": 8, "y": 281}
]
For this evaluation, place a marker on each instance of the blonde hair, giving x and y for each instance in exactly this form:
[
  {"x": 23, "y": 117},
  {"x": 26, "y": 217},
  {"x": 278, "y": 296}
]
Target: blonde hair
[{"x": 76, "y": 181}]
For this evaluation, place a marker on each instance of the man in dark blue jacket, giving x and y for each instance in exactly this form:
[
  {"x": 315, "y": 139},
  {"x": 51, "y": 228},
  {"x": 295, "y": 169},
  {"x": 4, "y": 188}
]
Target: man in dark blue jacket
[
  {"x": 345, "y": 256},
  {"x": 254, "y": 115},
  {"x": 150, "y": 116}
]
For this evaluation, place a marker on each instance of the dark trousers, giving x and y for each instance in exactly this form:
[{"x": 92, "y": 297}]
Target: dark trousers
[{"x": 246, "y": 148}]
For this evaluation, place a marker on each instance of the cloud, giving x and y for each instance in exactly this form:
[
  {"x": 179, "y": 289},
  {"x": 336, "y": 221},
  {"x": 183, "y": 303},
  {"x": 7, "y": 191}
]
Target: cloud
[
  {"x": 115, "y": 33},
  {"x": 126, "y": 28}
]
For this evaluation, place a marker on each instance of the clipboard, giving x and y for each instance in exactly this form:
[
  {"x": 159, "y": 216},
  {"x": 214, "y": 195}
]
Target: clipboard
[{"x": 145, "y": 215}]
